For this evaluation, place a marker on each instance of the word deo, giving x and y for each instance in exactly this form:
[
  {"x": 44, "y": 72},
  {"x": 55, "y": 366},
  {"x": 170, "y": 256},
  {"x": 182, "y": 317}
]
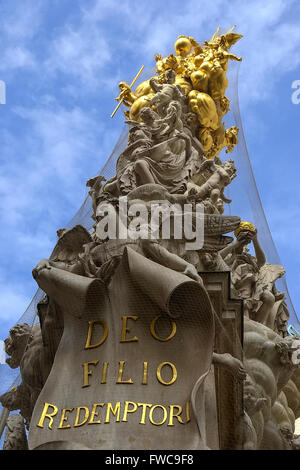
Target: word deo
[
  {"x": 125, "y": 331},
  {"x": 98, "y": 332}
]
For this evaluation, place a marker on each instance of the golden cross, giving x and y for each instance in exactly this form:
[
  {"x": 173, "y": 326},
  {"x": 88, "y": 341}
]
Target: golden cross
[{"x": 133, "y": 82}]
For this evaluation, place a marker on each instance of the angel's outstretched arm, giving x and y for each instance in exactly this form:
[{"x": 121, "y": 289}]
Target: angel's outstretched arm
[{"x": 259, "y": 253}]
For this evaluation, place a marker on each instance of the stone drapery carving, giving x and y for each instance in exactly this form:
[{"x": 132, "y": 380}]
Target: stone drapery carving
[{"x": 175, "y": 135}]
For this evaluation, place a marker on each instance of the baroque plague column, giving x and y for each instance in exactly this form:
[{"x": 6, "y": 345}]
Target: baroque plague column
[{"x": 149, "y": 338}]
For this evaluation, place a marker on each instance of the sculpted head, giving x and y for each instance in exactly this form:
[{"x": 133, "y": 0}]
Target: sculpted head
[
  {"x": 183, "y": 46},
  {"x": 288, "y": 350},
  {"x": 253, "y": 399},
  {"x": 170, "y": 76},
  {"x": 281, "y": 320},
  {"x": 229, "y": 166},
  {"x": 147, "y": 115},
  {"x": 16, "y": 343},
  {"x": 123, "y": 86}
]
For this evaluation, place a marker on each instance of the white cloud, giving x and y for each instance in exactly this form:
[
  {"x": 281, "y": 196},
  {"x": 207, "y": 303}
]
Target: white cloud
[
  {"x": 17, "y": 57},
  {"x": 23, "y": 22},
  {"x": 43, "y": 191},
  {"x": 56, "y": 147},
  {"x": 81, "y": 52},
  {"x": 271, "y": 36},
  {"x": 13, "y": 303},
  {"x": 63, "y": 137},
  {"x": 18, "y": 27}
]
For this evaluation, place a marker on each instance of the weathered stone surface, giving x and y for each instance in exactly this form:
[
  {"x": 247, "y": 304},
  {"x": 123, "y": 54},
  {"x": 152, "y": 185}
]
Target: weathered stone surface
[
  {"x": 141, "y": 341},
  {"x": 158, "y": 347}
]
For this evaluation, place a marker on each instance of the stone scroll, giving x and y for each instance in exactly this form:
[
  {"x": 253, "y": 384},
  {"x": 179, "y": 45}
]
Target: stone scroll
[{"x": 129, "y": 371}]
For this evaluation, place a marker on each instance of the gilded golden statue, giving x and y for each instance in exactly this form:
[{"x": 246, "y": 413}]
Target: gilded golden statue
[{"x": 199, "y": 72}]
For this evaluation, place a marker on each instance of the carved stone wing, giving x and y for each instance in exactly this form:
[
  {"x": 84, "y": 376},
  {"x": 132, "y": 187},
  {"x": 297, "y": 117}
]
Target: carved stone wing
[
  {"x": 70, "y": 243},
  {"x": 269, "y": 273}
]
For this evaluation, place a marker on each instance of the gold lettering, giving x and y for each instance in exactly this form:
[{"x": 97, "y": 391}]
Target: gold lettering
[
  {"x": 187, "y": 410},
  {"x": 87, "y": 372},
  {"x": 144, "y": 410},
  {"x": 175, "y": 415},
  {"x": 151, "y": 415},
  {"x": 104, "y": 372},
  {"x": 115, "y": 411},
  {"x": 95, "y": 413},
  {"x": 154, "y": 334},
  {"x": 83, "y": 413},
  {"x": 158, "y": 373},
  {"x": 145, "y": 373},
  {"x": 126, "y": 330},
  {"x": 45, "y": 414},
  {"x": 120, "y": 376},
  {"x": 86, "y": 416},
  {"x": 88, "y": 344},
  {"x": 127, "y": 410},
  {"x": 64, "y": 418}
]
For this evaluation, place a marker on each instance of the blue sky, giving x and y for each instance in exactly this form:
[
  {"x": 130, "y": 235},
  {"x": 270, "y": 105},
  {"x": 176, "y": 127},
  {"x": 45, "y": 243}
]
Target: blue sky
[{"x": 61, "y": 61}]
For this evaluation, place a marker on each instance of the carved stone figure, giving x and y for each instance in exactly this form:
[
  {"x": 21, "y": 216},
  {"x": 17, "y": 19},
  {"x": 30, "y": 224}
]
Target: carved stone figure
[
  {"x": 222, "y": 175},
  {"x": 35, "y": 366},
  {"x": 253, "y": 278},
  {"x": 16, "y": 342},
  {"x": 166, "y": 92},
  {"x": 15, "y": 436},
  {"x": 270, "y": 361},
  {"x": 171, "y": 311},
  {"x": 251, "y": 423},
  {"x": 145, "y": 161},
  {"x": 199, "y": 72}
]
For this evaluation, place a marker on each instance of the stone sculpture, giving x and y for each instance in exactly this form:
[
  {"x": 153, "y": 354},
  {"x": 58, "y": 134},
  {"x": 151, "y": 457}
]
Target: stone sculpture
[
  {"x": 201, "y": 74},
  {"x": 137, "y": 330},
  {"x": 15, "y": 436}
]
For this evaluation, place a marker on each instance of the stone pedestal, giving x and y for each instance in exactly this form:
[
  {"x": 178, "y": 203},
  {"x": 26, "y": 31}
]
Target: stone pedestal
[
  {"x": 229, "y": 339},
  {"x": 134, "y": 370}
]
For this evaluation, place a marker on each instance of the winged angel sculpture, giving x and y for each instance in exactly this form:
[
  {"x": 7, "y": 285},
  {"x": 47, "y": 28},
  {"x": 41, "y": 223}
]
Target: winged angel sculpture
[{"x": 173, "y": 157}]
